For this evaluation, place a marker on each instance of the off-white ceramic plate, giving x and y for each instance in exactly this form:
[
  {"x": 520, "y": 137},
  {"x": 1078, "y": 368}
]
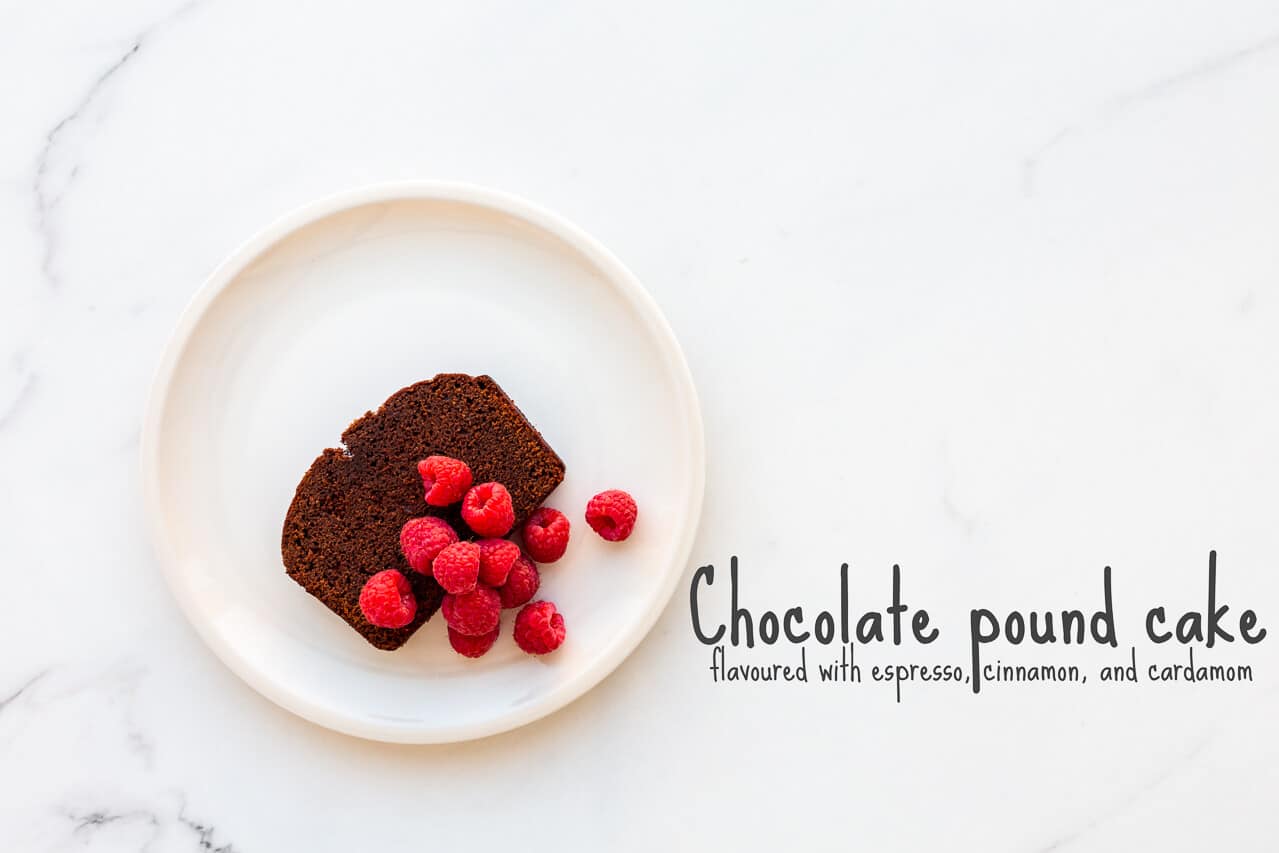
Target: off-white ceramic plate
[{"x": 322, "y": 316}]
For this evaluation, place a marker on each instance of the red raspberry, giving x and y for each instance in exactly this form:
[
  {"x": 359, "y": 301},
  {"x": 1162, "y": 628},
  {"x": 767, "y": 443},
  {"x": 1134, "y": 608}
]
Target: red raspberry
[
  {"x": 472, "y": 647},
  {"x": 539, "y": 629},
  {"x": 487, "y": 509},
  {"x": 472, "y": 613},
  {"x": 546, "y": 534},
  {"x": 446, "y": 479},
  {"x": 612, "y": 514},
  {"x": 496, "y": 558},
  {"x": 521, "y": 585},
  {"x": 387, "y": 600},
  {"x": 457, "y": 567},
  {"x": 421, "y": 539}
]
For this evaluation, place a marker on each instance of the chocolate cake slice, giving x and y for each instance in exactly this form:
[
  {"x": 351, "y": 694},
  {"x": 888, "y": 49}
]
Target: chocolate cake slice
[{"x": 345, "y": 519}]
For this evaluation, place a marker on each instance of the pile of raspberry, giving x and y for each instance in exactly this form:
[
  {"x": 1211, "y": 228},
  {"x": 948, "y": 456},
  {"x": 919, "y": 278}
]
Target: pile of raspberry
[{"x": 488, "y": 573}]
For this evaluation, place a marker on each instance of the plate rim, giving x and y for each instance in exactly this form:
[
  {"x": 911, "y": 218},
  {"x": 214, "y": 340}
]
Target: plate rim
[{"x": 618, "y": 276}]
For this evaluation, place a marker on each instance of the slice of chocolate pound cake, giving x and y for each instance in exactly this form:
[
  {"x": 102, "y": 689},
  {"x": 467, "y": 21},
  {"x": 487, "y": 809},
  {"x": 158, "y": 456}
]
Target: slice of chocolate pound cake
[{"x": 344, "y": 523}]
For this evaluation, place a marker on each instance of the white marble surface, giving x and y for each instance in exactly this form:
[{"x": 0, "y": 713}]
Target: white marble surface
[{"x": 1000, "y": 279}]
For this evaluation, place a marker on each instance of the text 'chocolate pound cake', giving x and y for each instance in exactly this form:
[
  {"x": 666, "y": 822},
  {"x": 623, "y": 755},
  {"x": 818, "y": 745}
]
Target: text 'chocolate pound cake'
[{"x": 344, "y": 523}]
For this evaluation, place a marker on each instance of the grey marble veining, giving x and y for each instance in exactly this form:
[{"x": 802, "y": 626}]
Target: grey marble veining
[{"x": 1007, "y": 274}]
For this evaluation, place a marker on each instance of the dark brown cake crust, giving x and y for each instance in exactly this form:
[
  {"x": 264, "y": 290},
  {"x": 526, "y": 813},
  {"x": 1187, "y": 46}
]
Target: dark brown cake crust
[{"x": 345, "y": 519}]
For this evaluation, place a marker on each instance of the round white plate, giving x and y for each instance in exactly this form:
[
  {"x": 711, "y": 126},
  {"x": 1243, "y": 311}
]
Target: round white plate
[{"x": 324, "y": 315}]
